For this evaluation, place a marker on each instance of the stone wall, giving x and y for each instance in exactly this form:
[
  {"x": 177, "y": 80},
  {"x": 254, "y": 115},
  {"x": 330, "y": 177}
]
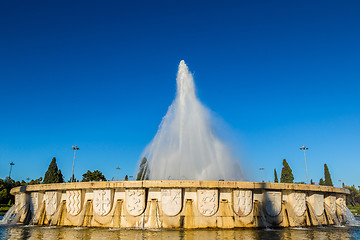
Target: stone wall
[{"x": 180, "y": 204}]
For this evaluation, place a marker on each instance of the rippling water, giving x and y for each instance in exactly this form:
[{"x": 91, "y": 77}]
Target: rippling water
[{"x": 35, "y": 232}]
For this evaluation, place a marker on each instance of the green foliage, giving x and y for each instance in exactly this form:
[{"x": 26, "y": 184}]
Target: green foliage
[
  {"x": 321, "y": 182},
  {"x": 276, "y": 177},
  {"x": 53, "y": 174},
  {"x": 328, "y": 181},
  {"x": 143, "y": 173},
  {"x": 93, "y": 176},
  {"x": 286, "y": 173},
  {"x": 354, "y": 198},
  {"x": 126, "y": 178}
]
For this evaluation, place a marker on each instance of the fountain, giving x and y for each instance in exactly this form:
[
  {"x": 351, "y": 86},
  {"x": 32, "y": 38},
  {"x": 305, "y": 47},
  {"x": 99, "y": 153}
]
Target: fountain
[{"x": 187, "y": 150}]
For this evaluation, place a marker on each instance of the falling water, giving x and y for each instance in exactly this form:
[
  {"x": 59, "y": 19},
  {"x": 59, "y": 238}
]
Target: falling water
[{"x": 186, "y": 145}]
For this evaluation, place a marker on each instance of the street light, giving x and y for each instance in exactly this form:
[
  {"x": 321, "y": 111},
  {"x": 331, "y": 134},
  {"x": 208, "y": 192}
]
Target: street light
[
  {"x": 304, "y": 149},
  {"x": 117, "y": 173},
  {"x": 261, "y": 175},
  {"x": 11, "y": 164},
  {"x": 75, "y": 148}
]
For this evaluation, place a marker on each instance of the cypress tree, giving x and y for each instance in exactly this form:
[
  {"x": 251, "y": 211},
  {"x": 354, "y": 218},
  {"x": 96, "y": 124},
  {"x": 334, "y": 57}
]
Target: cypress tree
[
  {"x": 143, "y": 173},
  {"x": 328, "y": 181},
  {"x": 126, "y": 178},
  {"x": 286, "y": 173},
  {"x": 321, "y": 182},
  {"x": 276, "y": 177},
  {"x": 53, "y": 174}
]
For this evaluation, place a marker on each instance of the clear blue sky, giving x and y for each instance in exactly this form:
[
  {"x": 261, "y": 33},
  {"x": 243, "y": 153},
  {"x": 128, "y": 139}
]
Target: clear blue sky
[{"x": 101, "y": 75}]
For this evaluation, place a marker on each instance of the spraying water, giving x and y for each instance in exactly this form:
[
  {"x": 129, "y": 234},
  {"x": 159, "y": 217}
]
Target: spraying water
[{"x": 186, "y": 145}]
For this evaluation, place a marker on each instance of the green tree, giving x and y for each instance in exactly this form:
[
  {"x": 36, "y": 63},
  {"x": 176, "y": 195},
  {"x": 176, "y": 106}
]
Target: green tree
[
  {"x": 93, "y": 176},
  {"x": 328, "y": 181},
  {"x": 53, "y": 174},
  {"x": 126, "y": 178},
  {"x": 143, "y": 173},
  {"x": 353, "y": 198},
  {"x": 276, "y": 177},
  {"x": 286, "y": 173},
  {"x": 321, "y": 182}
]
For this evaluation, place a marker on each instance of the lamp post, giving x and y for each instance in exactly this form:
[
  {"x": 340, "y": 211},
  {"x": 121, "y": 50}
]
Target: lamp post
[
  {"x": 11, "y": 164},
  {"x": 117, "y": 173},
  {"x": 304, "y": 149},
  {"x": 261, "y": 174},
  {"x": 75, "y": 148}
]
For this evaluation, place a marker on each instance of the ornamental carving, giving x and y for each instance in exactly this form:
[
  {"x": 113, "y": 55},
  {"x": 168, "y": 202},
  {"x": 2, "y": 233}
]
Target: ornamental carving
[
  {"x": 171, "y": 201},
  {"x": 207, "y": 202},
  {"x": 298, "y": 202},
  {"x": 135, "y": 201},
  {"x": 34, "y": 200},
  {"x": 273, "y": 203},
  {"x": 51, "y": 200},
  {"x": 243, "y": 202},
  {"x": 331, "y": 202},
  {"x": 73, "y": 202},
  {"x": 318, "y": 203},
  {"x": 102, "y": 201},
  {"x": 341, "y": 201}
]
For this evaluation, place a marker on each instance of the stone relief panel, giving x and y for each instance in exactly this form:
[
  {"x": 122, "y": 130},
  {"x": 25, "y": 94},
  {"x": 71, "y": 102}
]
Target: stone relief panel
[
  {"x": 207, "y": 202},
  {"x": 171, "y": 201},
  {"x": 273, "y": 203},
  {"x": 73, "y": 202},
  {"x": 102, "y": 201},
  {"x": 135, "y": 201},
  {"x": 51, "y": 202},
  {"x": 298, "y": 201},
  {"x": 341, "y": 201},
  {"x": 331, "y": 202},
  {"x": 34, "y": 201},
  {"x": 318, "y": 200},
  {"x": 243, "y": 202}
]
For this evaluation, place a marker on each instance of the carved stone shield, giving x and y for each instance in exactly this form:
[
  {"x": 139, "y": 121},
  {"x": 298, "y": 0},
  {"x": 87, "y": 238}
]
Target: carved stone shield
[
  {"x": 51, "y": 202},
  {"x": 331, "y": 202},
  {"x": 135, "y": 201},
  {"x": 102, "y": 201},
  {"x": 243, "y": 202},
  {"x": 171, "y": 201},
  {"x": 298, "y": 201},
  {"x": 318, "y": 200},
  {"x": 207, "y": 202},
  {"x": 273, "y": 203},
  {"x": 73, "y": 202}
]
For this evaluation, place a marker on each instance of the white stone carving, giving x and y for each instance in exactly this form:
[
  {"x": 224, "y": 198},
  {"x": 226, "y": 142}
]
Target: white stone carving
[
  {"x": 73, "y": 202},
  {"x": 51, "y": 202},
  {"x": 135, "y": 201},
  {"x": 171, "y": 201},
  {"x": 207, "y": 202},
  {"x": 331, "y": 202},
  {"x": 341, "y": 201},
  {"x": 243, "y": 202},
  {"x": 273, "y": 203},
  {"x": 318, "y": 200},
  {"x": 298, "y": 201},
  {"x": 102, "y": 201},
  {"x": 34, "y": 202}
]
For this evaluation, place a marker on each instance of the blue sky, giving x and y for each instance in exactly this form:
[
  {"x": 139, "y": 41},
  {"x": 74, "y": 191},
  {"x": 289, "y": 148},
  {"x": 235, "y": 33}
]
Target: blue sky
[{"x": 101, "y": 75}]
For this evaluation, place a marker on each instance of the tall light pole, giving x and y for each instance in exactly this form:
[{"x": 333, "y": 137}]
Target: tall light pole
[
  {"x": 75, "y": 148},
  {"x": 117, "y": 173},
  {"x": 11, "y": 164},
  {"x": 304, "y": 149},
  {"x": 261, "y": 175}
]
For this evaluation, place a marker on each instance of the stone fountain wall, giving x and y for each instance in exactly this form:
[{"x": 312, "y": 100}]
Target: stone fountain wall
[{"x": 179, "y": 204}]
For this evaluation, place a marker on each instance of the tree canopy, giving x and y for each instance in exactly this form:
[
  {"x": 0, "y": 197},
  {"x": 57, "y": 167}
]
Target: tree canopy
[
  {"x": 93, "y": 176},
  {"x": 275, "y": 176},
  {"x": 53, "y": 174},
  {"x": 286, "y": 173},
  {"x": 328, "y": 181}
]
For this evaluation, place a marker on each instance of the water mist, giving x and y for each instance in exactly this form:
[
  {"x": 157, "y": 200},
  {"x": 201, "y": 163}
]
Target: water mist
[{"x": 186, "y": 146}]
